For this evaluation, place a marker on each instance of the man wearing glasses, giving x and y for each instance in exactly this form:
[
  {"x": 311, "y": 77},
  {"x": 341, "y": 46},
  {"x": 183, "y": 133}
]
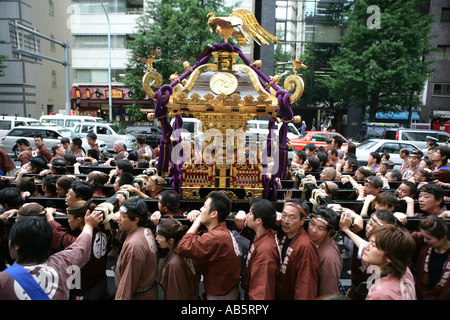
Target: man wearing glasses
[{"x": 298, "y": 276}]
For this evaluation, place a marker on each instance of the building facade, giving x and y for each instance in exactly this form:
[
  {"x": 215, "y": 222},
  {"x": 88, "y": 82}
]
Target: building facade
[
  {"x": 33, "y": 85},
  {"x": 436, "y": 96}
]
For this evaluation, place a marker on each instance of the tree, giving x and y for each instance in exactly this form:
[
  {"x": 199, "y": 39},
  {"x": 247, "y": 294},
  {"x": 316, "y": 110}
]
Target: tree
[
  {"x": 178, "y": 28},
  {"x": 381, "y": 65}
]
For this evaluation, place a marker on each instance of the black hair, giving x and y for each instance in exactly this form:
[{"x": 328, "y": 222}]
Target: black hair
[
  {"x": 376, "y": 156},
  {"x": 170, "y": 199},
  {"x": 71, "y": 159},
  {"x": 49, "y": 181},
  {"x": 11, "y": 197},
  {"x": 39, "y": 163},
  {"x": 33, "y": 236},
  {"x": 27, "y": 184},
  {"x": 396, "y": 174},
  {"x": 313, "y": 163},
  {"x": 93, "y": 153},
  {"x": 92, "y": 135},
  {"x": 125, "y": 165},
  {"x": 329, "y": 215},
  {"x": 412, "y": 187},
  {"x": 23, "y": 141},
  {"x": 83, "y": 190},
  {"x": 220, "y": 203},
  {"x": 323, "y": 157},
  {"x": 264, "y": 209},
  {"x": 338, "y": 141},
  {"x": 435, "y": 190},
  {"x": 59, "y": 165},
  {"x": 77, "y": 142},
  {"x": 310, "y": 146},
  {"x": 353, "y": 164},
  {"x": 301, "y": 154},
  {"x": 125, "y": 178},
  {"x": 137, "y": 209},
  {"x": 140, "y": 139},
  {"x": 385, "y": 215},
  {"x": 143, "y": 163},
  {"x": 133, "y": 155},
  {"x": 334, "y": 151}
]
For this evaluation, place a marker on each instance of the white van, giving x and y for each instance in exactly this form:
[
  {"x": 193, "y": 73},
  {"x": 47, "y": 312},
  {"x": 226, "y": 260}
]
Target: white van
[
  {"x": 68, "y": 121},
  {"x": 191, "y": 127},
  {"x": 107, "y": 132},
  {"x": 8, "y": 123},
  {"x": 261, "y": 128}
]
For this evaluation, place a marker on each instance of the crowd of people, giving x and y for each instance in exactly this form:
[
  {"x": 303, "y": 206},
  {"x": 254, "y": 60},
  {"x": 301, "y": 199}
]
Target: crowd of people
[{"x": 267, "y": 255}]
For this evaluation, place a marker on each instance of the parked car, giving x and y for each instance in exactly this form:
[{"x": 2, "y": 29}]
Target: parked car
[
  {"x": 10, "y": 122},
  {"x": 152, "y": 134},
  {"x": 392, "y": 147},
  {"x": 319, "y": 138},
  {"x": 107, "y": 132},
  {"x": 416, "y": 136},
  {"x": 51, "y": 136},
  {"x": 68, "y": 121}
]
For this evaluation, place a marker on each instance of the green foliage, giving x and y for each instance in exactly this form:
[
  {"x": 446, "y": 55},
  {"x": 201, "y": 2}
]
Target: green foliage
[
  {"x": 383, "y": 67},
  {"x": 135, "y": 112},
  {"x": 176, "y": 27}
]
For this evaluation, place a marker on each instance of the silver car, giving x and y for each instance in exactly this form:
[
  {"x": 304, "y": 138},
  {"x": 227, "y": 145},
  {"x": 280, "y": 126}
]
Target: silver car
[
  {"x": 108, "y": 132},
  {"x": 51, "y": 136},
  {"x": 392, "y": 147}
]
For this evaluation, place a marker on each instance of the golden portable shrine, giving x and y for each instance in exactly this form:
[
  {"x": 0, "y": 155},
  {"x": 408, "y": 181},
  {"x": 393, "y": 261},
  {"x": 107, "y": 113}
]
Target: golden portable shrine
[{"x": 224, "y": 96}]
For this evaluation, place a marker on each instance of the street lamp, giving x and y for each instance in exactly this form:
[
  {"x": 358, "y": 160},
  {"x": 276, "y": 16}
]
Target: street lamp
[{"x": 109, "y": 61}]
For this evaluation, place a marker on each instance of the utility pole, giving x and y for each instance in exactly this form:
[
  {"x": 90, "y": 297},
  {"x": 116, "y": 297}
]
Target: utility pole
[
  {"x": 65, "y": 62},
  {"x": 109, "y": 62}
]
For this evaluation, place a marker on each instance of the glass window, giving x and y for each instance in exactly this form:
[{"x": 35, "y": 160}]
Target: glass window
[
  {"x": 71, "y": 123},
  {"x": 366, "y": 145},
  {"x": 53, "y": 79},
  {"x": 87, "y": 129},
  {"x": 443, "y": 137},
  {"x": 408, "y": 146},
  {"x": 414, "y": 136},
  {"x": 51, "y": 8},
  {"x": 5, "y": 125},
  {"x": 389, "y": 148},
  {"x": 20, "y": 123},
  {"x": 52, "y": 134},
  {"x": 103, "y": 130},
  {"x": 319, "y": 137}
]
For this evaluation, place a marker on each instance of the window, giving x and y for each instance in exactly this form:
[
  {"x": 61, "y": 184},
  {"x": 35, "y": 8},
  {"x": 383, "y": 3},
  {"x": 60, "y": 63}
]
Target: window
[
  {"x": 102, "y": 130},
  {"x": 52, "y": 134},
  {"x": 445, "y": 15},
  {"x": 52, "y": 44},
  {"x": 443, "y": 137},
  {"x": 53, "y": 79},
  {"x": 408, "y": 147},
  {"x": 319, "y": 137},
  {"x": 71, "y": 123},
  {"x": 20, "y": 123},
  {"x": 443, "y": 53},
  {"x": 51, "y": 8},
  {"x": 390, "y": 148},
  {"x": 87, "y": 129},
  {"x": 441, "y": 89},
  {"x": 5, "y": 125}
]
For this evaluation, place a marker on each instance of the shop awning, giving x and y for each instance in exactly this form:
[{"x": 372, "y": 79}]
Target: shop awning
[{"x": 402, "y": 115}]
